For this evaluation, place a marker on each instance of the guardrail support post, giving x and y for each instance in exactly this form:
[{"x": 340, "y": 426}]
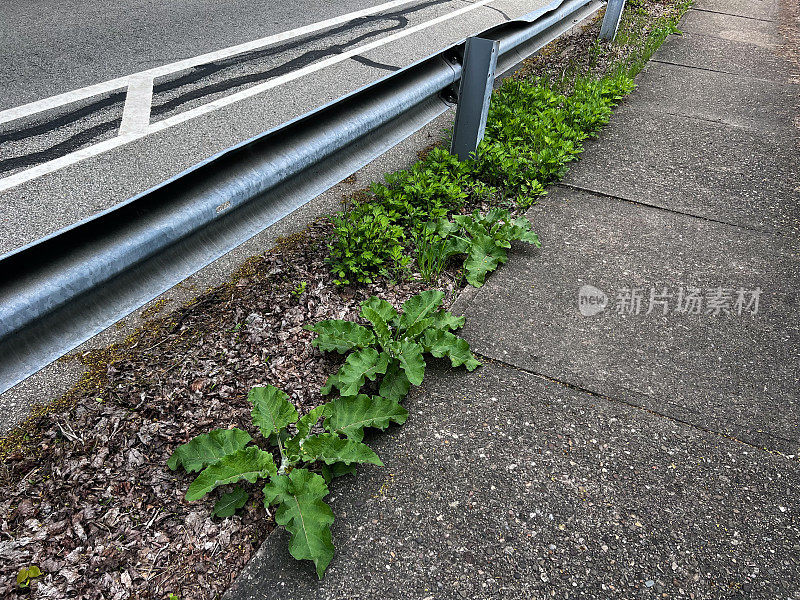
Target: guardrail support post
[
  {"x": 608, "y": 31},
  {"x": 477, "y": 80}
]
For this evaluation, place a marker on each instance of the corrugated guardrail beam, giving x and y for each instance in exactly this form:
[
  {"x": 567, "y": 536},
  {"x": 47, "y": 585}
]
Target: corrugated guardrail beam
[{"x": 63, "y": 289}]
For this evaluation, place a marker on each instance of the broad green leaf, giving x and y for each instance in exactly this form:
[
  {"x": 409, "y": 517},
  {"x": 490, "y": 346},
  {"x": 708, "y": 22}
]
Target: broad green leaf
[
  {"x": 310, "y": 419},
  {"x": 484, "y": 257},
  {"x": 456, "y": 245},
  {"x": 471, "y": 224},
  {"x": 445, "y": 228},
  {"x": 306, "y": 517},
  {"x": 420, "y": 306},
  {"x": 502, "y": 243},
  {"x": 443, "y": 319},
  {"x": 208, "y": 448},
  {"x": 440, "y": 343},
  {"x": 412, "y": 362},
  {"x": 349, "y": 415},
  {"x": 250, "y": 464},
  {"x": 360, "y": 366},
  {"x": 494, "y": 216},
  {"x": 340, "y": 336},
  {"x": 382, "y": 307},
  {"x": 413, "y": 332},
  {"x": 381, "y": 328},
  {"x": 330, "y": 448},
  {"x": 272, "y": 411},
  {"x": 331, "y": 472},
  {"x": 332, "y": 382},
  {"x": 304, "y": 426},
  {"x": 229, "y": 503},
  {"x": 395, "y": 384},
  {"x": 521, "y": 230}
]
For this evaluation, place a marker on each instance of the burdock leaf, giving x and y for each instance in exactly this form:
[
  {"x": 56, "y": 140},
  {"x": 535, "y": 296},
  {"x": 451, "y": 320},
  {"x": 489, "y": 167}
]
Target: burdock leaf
[
  {"x": 440, "y": 343},
  {"x": 306, "y": 517},
  {"x": 250, "y": 464},
  {"x": 382, "y": 307},
  {"x": 330, "y": 472},
  {"x": 419, "y": 327},
  {"x": 308, "y": 421},
  {"x": 272, "y": 411},
  {"x": 349, "y": 415},
  {"x": 332, "y": 382},
  {"x": 420, "y": 306},
  {"x": 330, "y": 448},
  {"x": 304, "y": 426},
  {"x": 412, "y": 362},
  {"x": 395, "y": 384},
  {"x": 521, "y": 230},
  {"x": 360, "y": 366},
  {"x": 484, "y": 257},
  {"x": 341, "y": 336},
  {"x": 443, "y": 319},
  {"x": 208, "y": 448},
  {"x": 229, "y": 503},
  {"x": 379, "y": 324}
]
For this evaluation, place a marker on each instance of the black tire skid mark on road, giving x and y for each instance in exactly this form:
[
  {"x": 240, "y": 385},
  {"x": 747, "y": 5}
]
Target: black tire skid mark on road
[
  {"x": 310, "y": 57},
  {"x": 87, "y": 136}
]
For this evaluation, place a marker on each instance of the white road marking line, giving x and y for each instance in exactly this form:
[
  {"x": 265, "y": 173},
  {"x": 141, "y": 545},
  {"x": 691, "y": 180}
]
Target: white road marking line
[
  {"x": 102, "y": 147},
  {"x": 121, "y": 82},
  {"x": 136, "y": 114}
]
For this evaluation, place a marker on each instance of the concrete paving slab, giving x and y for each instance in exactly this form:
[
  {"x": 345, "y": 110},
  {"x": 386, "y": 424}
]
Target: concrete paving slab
[
  {"x": 764, "y": 107},
  {"x": 694, "y": 166},
  {"x": 748, "y": 54},
  {"x": 505, "y": 485},
  {"x": 731, "y": 27},
  {"x": 768, "y": 10},
  {"x": 736, "y": 373}
]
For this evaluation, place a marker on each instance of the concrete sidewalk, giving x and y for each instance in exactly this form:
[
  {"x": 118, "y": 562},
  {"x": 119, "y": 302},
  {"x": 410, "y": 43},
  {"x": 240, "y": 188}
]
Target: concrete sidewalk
[{"x": 647, "y": 450}]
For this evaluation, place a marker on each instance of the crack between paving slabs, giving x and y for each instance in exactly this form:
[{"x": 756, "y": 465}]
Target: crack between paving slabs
[
  {"x": 717, "y": 12},
  {"x": 743, "y": 76},
  {"x": 613, "y": 400},
  {"x": 579, "y": 188}
]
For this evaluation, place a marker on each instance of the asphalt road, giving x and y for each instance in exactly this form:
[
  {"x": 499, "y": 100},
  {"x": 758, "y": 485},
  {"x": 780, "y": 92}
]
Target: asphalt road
[{"x": 50, "y": 47}]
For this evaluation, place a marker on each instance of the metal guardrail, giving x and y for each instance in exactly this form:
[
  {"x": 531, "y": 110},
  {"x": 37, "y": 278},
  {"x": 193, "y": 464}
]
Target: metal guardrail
[{"x": 65, "y": 288}]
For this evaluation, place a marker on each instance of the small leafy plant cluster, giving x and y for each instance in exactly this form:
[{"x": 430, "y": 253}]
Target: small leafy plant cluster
[
  {"x": 26, "y": 575},
  {"x": 533, "y": 132},
  {"x": 387, "y": 356},
  {"x": 483, "y": 239}
]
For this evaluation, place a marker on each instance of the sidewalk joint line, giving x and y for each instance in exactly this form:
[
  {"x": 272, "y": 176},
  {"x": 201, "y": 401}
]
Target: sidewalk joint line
[
  {"x": 613, "y": 400},
  {"x": 717, "y": 12},
  {"x": 662, "y": 208},
  {"x": 741, "y": 75}
]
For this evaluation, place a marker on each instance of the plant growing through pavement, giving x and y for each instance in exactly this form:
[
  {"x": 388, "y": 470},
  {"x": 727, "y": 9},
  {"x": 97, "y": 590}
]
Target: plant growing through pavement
[{"x": 227, "y": 456}]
